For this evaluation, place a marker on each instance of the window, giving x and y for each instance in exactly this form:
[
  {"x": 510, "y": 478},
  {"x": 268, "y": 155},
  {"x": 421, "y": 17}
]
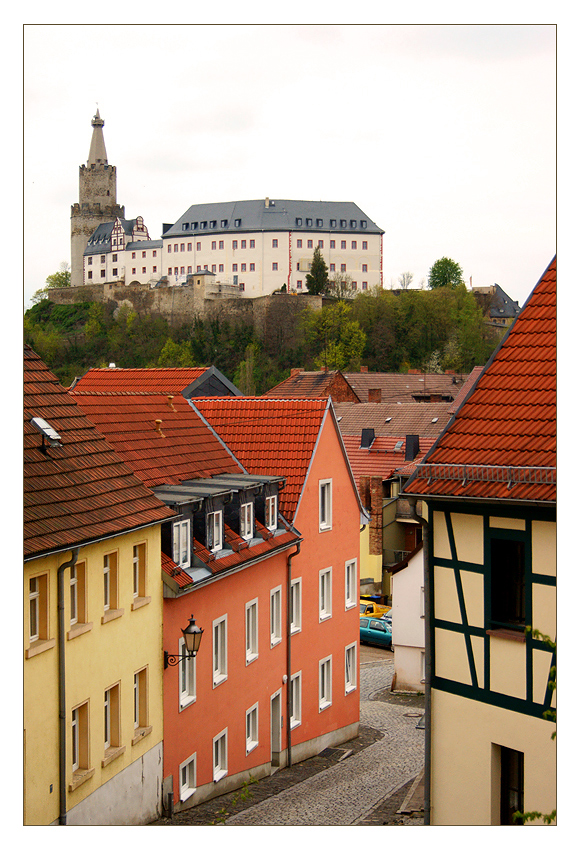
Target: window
[
  {"x": 90, "y": 261},
  {"x": 237, "y": 222},
  {"x": 299, "y": 243},
  {"x": 295, "y": 605},
  {"x": 247, "y": 521},
  {"x": 221, "y": 244},
  {"x": 350, "y": 668},
  {"x": 333, "y": 267},
  {"x": 298, "y": 284},
  {"x": 508, "y": 609},
  {"x": 132, "y": 255},
  {"x": 224, "y": 222},
  {"x": 325, "y": 594},
  {"x": 251, "y": 631},
  {"x": 325, "y": 513},
  {"x": 220, "y": 755},
  {"x": 511, "y": 785},
  {"x": 243, "y": 243},
  {"x": 354, "y": 284},
  {"x": 198, "y": 246},
  {"x": 90, "y": 275},
  {"x": 116, "y": 271},
  {"x": 333, "y": 243},
  {"x": 252, "y": 267},
  {"x": 350, "y": 594},
  {"x": 333, "y": 222},
  {"x": 220, "y": 669},
  {"x": 104, "y": 275},
  {"x": 140, "y": 575},
  {"x": 115, "y": 257},
  {"x": 187, "y": 677},
  {"x": 274, "y": 267},
  {"x": 221, "y": 267},
  {"x": 365, "y": 246},
  {"x": 343, "y": 245},
  {"x": 271, "y": 513},
  {"x": 214, "y": 246},
  {"x": 235, "y": 267},
  {"x": 365, "y": 267},
  {"x": 235, "y": 244},
  {"x": 353, "y": 246},
  {"x": 252, "y": 243},
  {"x": 214, "y": 268},
  {"x": 319, "y": 222},
  {"x": 80, "y": 752},
  {"x": 325, "y": 683},
  {"x": 353, "y": 223},
  {"x": 243, "y": 267},
  {"x": 181, "y": 543},
  {"x": 298, "y": 222},
  {"x": 110, "y": 585},
  {"x": 343, "y": 267},
  {"x": 78, "y": 597},
  {"x": 38, "y": 608},
  {"x": 308, "y": 222},
  {"x": 112, "y": 725},
  {"x": 310, "y": 244},
  {"x": 144, "y": 253},
  {"x": 275, "y": 616},
  {"x": 214, "y": 531},
  {"x": 140, "y": 704},
  {"x": 365, "y": 284},
  {"x": 295, "y": 700},
  {"x": 251, "y": 728},
  {"x": 187, "y": 778}
]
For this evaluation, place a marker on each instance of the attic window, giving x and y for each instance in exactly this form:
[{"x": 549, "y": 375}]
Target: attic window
[
  {"x": 353, "y": 223},
  {"x": 333, "y": 222},
  {"x": 363, "y": 224},
  {"x": 224, "y": 222},
  {"x": 238, "y": 222},
  {"x": 185, "y": 225},
  {"x": 343, "y": 222},
  {"x": 388, "y": 419},
  {"x": 435, "y": 419},
  {"x": 212, "y": 225},
  {"x": 319, "y": 222},
  {"x": 398, "y": 445},
  {"x": 298, "y": 222}
]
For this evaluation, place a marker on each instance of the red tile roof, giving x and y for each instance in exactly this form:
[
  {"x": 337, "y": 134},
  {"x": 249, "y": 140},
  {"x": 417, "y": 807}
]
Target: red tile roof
[
  {"x": 166, "y": 380},
  {"x": 314, "y": 385},
  {"x": 269, "y": 436},
  {"x": 81, "y": 491},
  {"x": 161, "y": 438},
  {"x": 502, "y": 443},
  {"x": 396, "y": 386},
  {"x": 394, "y": 420},
  {"x": 381, "y": 459}
]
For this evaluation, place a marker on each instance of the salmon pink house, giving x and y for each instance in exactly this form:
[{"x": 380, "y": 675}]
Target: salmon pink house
[{"x": 262, "y": 554}]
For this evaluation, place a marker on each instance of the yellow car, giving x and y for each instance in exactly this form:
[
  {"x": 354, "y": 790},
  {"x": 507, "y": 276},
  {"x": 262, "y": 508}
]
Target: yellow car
[{"x": 372, "y": 609}]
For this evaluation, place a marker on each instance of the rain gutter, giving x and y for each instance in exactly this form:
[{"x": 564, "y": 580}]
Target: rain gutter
[
  {"x": 62, "y": 687},
  {"x": 289, "y": 652}
]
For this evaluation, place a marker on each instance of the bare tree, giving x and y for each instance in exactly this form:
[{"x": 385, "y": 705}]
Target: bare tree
[{"x": 405, "y": 280}]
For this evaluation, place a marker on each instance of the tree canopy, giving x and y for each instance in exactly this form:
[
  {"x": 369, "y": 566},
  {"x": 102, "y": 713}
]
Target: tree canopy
[
  {"x": 59, "y": 279},
  {"x": 445, "y": 272},
  {"x": 317, "y": 278}
]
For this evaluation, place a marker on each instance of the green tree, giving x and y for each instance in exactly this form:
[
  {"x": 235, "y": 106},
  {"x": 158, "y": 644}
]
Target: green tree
[
  {"x": 317, "y": 278},
  {"x": 58, "y": 280},
  {"x": 445, "y": 272},
  {"x": 336, "y": 339}
]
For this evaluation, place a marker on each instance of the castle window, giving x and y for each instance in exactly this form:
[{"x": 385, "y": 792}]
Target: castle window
[
  {"x": 115, "y": 272},
  {"x": 252, "y": 243},
  {"x": 198, "y": 246},
  {"x": 343, "y": 222},
  {"x": 352, "y": 223},
  {"x": 243, "y": 267},
  {"x": 90, "y": 261},
  {"x": 298, "y": 222},
  {"x": 103, "y": 258},
  {"x": 213, "y": 268},
  {"x": 224, "y": 222},
  {"x": 238, "y": 222},
  {"x": 365, "y": 246},
  {"x": 235, "y": 267},
  {"x": 274, "y": 267},
  {"x": 332, "y": 243},
  {"x": 143, "y": 270},
  {"x": 143, "y": 253},
  {"x": 221, "y": 267},
  {"x": 90, "y": 275},
  {"x": 221, "y": 246},
  {"x": 274, "y": 243},
  {"x": 132, "y": 256},
  {"x": 321, "y": 243},
  {"x": 189, "y": 247},
  {"x": 310, "y": 243},
  {"x": 185, "y": 225},
  {"x": 169, "y": 249},
  {"x": 243, "y": 243},
  {"x": 353, "y": 246},
  {"x": 319, "y": 222},
  {"x": 333, "y": 222},
  {"x": 114, "y": 258},
  {"x": 363, "y": 224},
  {"x": 299, "y": 243},
  {"x": 102, "y": 273},
  {"x": 252, "y": 267}
]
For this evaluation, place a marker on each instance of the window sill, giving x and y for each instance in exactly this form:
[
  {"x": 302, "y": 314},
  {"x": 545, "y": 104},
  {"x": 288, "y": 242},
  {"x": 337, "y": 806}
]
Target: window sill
[
  {"x": 187, "y": 702},
  {"x": 38, "y": 646},
  {"x": 322, "y": 617},
  {"x": 220, "y": 775},
  {"x": 323, "y": 705},
  {"x": 80, "y": 777},
  {"x": 218, "y": 680},
  {"x": 252, "y": 746},
  {"x": 139, "y": 602},
  {"x": 322, "y": 528},
  {"x": 140, "y": 733},
  {"x": 350, "y": 689},
  {"x": 111, "y": 754},
  {"x": 79, "y": 629},
  {"x": 295, "y": 630},
  {"x": 507, "y": 634},
  {"x": 295, "y": 723},
  {"x": 350, "y": 605},
  {"x": 275, "y": 641},
  {"x": 112, "y": 614},
  {"x": 185, "y": 795}
]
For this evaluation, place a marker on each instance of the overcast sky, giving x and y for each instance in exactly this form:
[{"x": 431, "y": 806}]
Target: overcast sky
[{"x": 444, "y": 135}]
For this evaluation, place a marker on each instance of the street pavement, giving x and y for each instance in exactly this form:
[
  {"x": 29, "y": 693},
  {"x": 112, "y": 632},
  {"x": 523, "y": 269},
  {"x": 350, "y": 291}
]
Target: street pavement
[{"x": 352, "y": 790}]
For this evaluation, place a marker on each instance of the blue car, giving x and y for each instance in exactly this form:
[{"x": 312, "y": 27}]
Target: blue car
[{"x": 377, "y": 632}]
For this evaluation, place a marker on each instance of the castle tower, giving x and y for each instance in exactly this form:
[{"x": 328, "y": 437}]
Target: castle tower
[{"x": 97, "y": 199}]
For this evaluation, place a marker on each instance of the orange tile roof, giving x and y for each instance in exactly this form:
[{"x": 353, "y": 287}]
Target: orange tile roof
[
  {"x": 314, "y": 385},
  {"x": 403, "y": 387},
  {"x": 180, "y": 447},
  {"x": 381, "y": 459},
  {"x": 392, "y": 419},
  {"x": 269, "y": 436},
  {"x": 166, "y": 380},
  {"x": 502, "y": 442},
  {"x": 81, "y": 491}
]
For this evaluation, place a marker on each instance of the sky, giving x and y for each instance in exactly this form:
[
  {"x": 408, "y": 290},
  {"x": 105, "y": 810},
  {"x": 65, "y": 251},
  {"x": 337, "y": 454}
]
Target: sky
[{"x": 444, "y": 135}]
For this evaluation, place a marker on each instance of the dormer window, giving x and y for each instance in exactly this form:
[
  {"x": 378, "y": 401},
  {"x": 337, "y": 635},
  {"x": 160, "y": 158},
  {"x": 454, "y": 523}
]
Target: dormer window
[
  {"x": 247, "y": 521},
  {"x": 214, "y": 531},
  {"x": 182, "y": 543},
  {"x": 271, "y": 513}
]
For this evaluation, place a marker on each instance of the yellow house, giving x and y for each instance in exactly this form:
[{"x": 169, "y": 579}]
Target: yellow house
[
  {"x": 490, "y": 585},
  {"x": 93, "y": 659}
]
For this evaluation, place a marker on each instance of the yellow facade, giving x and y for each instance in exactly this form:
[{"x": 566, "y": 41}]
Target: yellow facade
[{"x": 104, "y": 651}]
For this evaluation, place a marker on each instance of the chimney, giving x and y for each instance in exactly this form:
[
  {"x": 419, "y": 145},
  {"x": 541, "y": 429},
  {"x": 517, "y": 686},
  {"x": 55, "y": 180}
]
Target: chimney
[
  {"x": 294, "y": 372},
  {"x": 375, "y": 395},
  {"x": 364, "y": 368},
  {"x": 158, "y": 423},
  {"x": 267, "y": 203},
  {"x": 367, "y": 438},
  {"x": 411, "y": 446}
]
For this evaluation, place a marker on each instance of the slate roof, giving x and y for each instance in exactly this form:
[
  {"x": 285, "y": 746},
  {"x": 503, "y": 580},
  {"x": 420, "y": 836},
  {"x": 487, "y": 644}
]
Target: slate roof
[
  {"x": 396, "y": 386},
  {"x": 393, "y": 420},
  {"x": 180, "y": 448},
  {"x": 280, "y": 215},
  {"x": 502, "y": 442},
  {"x": 100, "y": 239},
  {"x": 269, "y": 436},
  {"x": 311, "y": 385},
  {"x": 81, "y": 491},
  {"x": 381, "y": 460}
]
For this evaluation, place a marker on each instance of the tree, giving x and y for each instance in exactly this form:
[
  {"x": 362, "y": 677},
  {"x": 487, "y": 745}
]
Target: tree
[
  {"x": 405, "y": 280},
  {"x": 317, "y": 278},
  {"x": 445, "y": 272},
  {"x": 58, "y": 280},
  {"x": 340, "y": 286},
  {"x": 336, "y": 337}
]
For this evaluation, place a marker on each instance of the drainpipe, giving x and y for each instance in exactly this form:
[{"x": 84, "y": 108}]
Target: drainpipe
[
  {"x": 428, "y": 657},
  {"x": 62, "y": 688},
  {"x": 289, "y": 651}
]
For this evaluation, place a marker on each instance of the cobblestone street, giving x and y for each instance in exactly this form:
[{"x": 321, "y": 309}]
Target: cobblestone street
[{"x": 364, "y": 782}]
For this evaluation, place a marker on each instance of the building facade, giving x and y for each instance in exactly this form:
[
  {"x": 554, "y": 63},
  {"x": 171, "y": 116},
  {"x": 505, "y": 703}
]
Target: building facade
[{"x": 121, "y": 251}]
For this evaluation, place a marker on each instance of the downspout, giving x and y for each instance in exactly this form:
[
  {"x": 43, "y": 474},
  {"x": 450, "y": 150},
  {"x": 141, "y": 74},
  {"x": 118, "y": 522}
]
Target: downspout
[
  {"x": 288, "y": 651},
  {"x": 428, "y": 657},
  {"x": 62, "y": 688}
]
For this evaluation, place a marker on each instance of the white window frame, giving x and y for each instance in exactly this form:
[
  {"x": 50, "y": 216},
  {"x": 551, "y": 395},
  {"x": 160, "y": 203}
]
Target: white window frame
[
  {"x": 215, "y": 519},
  {"x": 325, "y": 594},
  {"x": 296, "y": 699},
  {"x": 111, "y": 581},
  {"x": 351, "y": 596},
  {"x": 220, "y": 755},
  {"x": 139, "y": 571},
  {"x": 325, "y": 683},
  {"x": 275, "y": 615},
  {"x": 325, "y": 504},
  {"x": 187, "y": 783},
  {"x": 187, "y": 677},
  {"x": 80, "y": 740},
  {"x": 74, "y": 595},
  {"x": 251, "y": 621},
  {"x": 350, "y": 665},
  {"x": 182, "y": 543},
  {"x": 220, "y": 649},
  {"x": 252, "y": 728},
  {"x": 141, "y": 700},
  {"x": 296, "y": 605},
  {"x": 247, "y": 520},
  {"x": 271, "y": 511}
]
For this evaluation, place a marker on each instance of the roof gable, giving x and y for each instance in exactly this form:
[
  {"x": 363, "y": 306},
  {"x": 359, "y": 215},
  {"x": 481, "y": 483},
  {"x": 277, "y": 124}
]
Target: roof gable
[{"x": 303, "y": 384}]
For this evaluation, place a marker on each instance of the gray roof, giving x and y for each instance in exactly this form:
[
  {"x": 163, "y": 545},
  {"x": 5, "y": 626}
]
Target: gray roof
[
  {"x": 100, "y": 240},
  {"x": 273, "y": 215}
]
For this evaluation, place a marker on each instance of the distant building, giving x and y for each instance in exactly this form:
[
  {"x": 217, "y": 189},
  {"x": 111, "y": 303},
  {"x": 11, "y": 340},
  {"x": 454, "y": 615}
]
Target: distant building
[
  {"x": 322, "y": 384},
  {"x": 121, "y": 251},
  {"x": 498, "y": 308}
]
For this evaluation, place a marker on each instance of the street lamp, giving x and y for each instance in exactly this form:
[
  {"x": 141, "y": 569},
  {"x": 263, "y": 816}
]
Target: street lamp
[{"x": 192, "y": 637}]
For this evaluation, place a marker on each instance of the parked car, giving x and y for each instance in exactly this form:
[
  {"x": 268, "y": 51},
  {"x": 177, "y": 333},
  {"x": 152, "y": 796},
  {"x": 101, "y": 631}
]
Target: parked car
[
  {"x": 372, "y": 609},
  {"x": 376, "y": 632}
]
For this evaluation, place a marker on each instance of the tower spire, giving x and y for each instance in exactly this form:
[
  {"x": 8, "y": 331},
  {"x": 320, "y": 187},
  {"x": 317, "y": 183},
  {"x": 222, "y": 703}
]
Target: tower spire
[{"x": 97, "y": 152}]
